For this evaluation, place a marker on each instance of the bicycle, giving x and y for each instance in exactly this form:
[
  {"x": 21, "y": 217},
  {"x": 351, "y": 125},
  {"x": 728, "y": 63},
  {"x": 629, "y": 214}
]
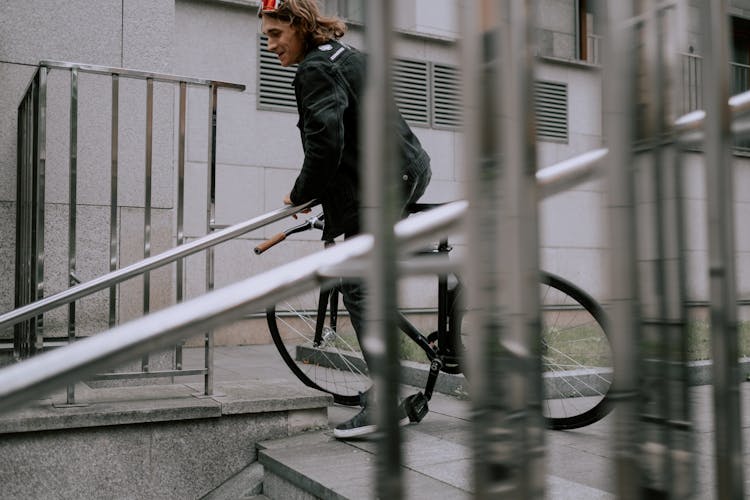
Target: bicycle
[{"x": 319, "y": 345}]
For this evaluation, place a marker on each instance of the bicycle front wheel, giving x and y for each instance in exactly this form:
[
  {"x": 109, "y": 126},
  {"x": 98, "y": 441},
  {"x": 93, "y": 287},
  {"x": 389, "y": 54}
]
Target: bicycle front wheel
[
  {"x": 576, "y": 356},
  {"x": 319, "y": 345}
]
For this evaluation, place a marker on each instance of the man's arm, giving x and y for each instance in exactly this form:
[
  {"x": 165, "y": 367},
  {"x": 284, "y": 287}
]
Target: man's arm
[{"x": 322, "y": 105}]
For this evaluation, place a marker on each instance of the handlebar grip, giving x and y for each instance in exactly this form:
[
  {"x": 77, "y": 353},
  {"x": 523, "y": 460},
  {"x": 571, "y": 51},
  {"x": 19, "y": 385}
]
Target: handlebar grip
[{"x": 273, "y": 240}]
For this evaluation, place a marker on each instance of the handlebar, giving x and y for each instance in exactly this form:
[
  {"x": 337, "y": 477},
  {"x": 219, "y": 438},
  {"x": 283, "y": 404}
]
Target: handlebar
[{"x": 315, "y": 222}]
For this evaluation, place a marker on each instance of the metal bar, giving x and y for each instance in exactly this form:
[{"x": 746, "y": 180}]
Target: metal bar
[
  {"x": 519, "y": 252},
  {"x": 133, "y": 73},
  {"x": 113, "y": 224},
  {"x": 721, "y": 253},
  {"x": 72, "y": 206},
  {"x": 477, "y": 26},
  {"x": 380, "y": 211},
  {"x": 208, "y": 341},
  {"x": 150, "y": 374},
  {"x": 147, "y": 201},
  {"x": 23, "y": 253},
  {"x": 569, "y": 173},
  {"x": 120, "y": 275},
  {"x": 677, "y": 477},
  {"x": 24, "y": 381},
  {"x": 180, "y": 264},
  {"x": 618, "y": 92},
  {"x": 38, "y": 204}
]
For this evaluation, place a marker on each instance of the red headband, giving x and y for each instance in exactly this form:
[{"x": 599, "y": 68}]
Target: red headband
[{"x": 270, "y": 5}]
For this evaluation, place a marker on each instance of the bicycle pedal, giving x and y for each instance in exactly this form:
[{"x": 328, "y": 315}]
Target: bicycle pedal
[{"x": 416, "y": 407}]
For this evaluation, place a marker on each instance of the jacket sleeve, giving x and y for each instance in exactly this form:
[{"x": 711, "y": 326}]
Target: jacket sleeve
[{"x": 321, "y": 104}]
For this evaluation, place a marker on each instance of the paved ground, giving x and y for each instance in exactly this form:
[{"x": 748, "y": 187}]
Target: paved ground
[{"x": 580, "y": 462}]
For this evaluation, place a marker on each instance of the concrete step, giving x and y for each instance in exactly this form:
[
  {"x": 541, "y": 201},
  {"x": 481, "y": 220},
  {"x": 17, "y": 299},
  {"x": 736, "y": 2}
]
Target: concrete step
[
  {"x": 152, "y": 442},
  {"x": 316, "y": 465}
]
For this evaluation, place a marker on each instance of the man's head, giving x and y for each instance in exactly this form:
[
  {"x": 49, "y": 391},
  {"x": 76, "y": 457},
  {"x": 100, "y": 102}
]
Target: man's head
[{"x": 293, "y": 27}]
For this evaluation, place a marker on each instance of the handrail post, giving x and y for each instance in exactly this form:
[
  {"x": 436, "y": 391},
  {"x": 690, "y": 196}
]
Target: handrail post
[
  {"x": 180, "y": 265},
  {"x": 210, "y": 220},
  {"x": 72, "y": 203},
  {"x": 113, "y": 179},
  {"x": 147, "y": 203}
]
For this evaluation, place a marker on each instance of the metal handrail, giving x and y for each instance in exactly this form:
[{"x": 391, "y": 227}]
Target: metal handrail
[
  {"x": 107, "y": 280},
  {"x": 51, "y": 370},
  {"x": 134, "y": 73}
]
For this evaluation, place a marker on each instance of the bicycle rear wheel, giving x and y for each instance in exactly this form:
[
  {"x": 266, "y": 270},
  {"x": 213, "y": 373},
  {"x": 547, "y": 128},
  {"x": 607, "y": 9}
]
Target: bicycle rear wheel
[
  {"x": 576, "y": 356},
  {"x": 319, "y": 345}
]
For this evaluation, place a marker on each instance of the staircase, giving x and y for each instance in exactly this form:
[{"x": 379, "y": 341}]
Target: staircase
[{"x": 152, "y": 442}]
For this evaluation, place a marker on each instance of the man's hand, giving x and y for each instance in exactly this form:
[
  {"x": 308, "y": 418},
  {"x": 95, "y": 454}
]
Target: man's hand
[{"x": 288, "y": 201}]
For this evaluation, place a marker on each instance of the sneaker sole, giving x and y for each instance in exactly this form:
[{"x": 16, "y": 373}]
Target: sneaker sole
[
  {"x": 355, "y": 432},
  {"x": 362, "y": 431}
]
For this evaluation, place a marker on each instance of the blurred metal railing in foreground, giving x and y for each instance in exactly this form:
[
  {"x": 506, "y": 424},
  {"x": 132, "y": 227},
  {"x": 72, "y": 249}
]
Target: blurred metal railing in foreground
[{"x": 30, "y": 219}]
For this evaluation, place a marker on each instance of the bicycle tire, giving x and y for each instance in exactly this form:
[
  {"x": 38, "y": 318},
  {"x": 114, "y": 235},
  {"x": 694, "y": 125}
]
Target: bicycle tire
[
  {"x": 577, "y": 360},
  {"x": 336, "y": 366}
]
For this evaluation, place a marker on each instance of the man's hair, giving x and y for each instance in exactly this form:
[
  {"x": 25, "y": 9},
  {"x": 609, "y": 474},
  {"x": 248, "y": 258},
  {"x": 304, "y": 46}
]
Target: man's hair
[{"x": 305, "y": 15}]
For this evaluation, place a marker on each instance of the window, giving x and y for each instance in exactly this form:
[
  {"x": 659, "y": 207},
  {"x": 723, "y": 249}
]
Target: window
[
  {"x": 740, "y": 64},
  {"x": 351, "y": 10},
  {"x": 588, "y": 41},
  {"x": 740, "y": 68}
]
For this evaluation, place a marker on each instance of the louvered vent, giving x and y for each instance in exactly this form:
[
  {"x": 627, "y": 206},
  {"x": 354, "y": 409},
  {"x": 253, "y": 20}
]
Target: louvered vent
[
  {"x": 410, "y": 90},
  {"x": 551, "y": 106},
  {"x": 446, "y": 107},
  {"x": 275, "y": 89}
]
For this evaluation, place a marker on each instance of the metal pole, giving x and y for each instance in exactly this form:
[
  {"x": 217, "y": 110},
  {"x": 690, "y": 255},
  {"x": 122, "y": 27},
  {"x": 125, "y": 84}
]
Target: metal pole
[
  {"x": 380, "y": 207},
  {"x": 519, "y": 248},
  {"x": 208, "y": 344},
  {"x": 618, "y": 96},
  {"x": 38, "y": 206},
  {"x": 721, "y": 252},
  {"x": 72, "y": 204},
  {"x": 180, "y": 265},
  {"x": 147, "y": 203},
  {"x": 113, "y": 225},
  {"x": 494, "y": 460}
]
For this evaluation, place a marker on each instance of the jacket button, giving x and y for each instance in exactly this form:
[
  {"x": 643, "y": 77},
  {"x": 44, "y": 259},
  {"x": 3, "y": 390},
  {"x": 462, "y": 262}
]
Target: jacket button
[{"x": 405, "y": 177}]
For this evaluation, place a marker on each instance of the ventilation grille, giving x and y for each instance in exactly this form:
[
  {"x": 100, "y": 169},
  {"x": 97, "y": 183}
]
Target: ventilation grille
[
  {"x": 446, "y": 108},
  {"x": 551, "y": 107},
  {"x": 275, "y": 89},
  {"x": 410, "y": 89}
]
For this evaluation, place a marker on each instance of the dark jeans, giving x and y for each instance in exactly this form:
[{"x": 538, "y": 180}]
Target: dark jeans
[{"x": 353, "y": 291}]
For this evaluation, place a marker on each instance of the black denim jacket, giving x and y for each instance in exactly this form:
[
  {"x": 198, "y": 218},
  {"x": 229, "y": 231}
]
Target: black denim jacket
[{"x": 329, "y": 87}]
